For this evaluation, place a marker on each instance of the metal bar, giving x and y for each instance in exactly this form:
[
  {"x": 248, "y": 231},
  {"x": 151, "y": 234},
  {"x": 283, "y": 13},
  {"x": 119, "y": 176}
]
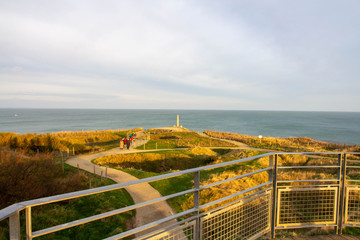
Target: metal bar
[
  {"x": 347, "y": 204},
  {"x": 274, "y": 195},
  {"x": 106, "y": 214},
  {"x": 28, "y": 223},
  {"x": 312, "y": 180},
  {"x": 305, "y": 226},
  {"x": 338, "y": 195},
  {"x": 302, "y": 186},
  {"x": 271, "y": 179},
  {"x": 355, "y": 161},
  {"x": 352, "y": 166},
  {"x": 341, "y": 207},
  {"x": 317, "y": 166},
  {"x": 14, "y": 226},
  {"x": 10, "y": 210},
  {"x": 316, "y": 153},
  {"x": 197, "y": 204}
]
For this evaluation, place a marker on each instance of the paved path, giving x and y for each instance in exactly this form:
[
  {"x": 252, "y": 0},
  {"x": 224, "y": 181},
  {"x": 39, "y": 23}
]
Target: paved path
[{"x": 139, "y": 192}]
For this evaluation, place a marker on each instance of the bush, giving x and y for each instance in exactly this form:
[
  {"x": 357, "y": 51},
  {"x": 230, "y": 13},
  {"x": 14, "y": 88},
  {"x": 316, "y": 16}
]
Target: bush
[{"x": 24, "y": 178}]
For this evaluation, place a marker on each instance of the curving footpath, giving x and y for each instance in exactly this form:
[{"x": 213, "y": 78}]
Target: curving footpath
[{"x": 140, "y": 192}]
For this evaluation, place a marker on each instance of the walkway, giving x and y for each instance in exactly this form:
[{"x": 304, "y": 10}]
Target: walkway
[{"x": 139, "y": 192}]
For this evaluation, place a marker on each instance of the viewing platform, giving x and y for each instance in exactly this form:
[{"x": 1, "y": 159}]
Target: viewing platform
[{"x": 322, "y": 193}]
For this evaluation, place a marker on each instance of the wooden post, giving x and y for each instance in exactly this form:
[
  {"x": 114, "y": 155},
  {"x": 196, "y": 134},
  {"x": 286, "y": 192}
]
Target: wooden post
[
  {"x": 101, "y": 176},
  {"x": 106, "y": 172},
  {"x": 94, "y": 170},
  {"x": 62, "y": 161}
]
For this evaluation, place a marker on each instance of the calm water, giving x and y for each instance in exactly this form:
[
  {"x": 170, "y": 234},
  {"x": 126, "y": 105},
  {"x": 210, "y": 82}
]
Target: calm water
[{"x": 328, "y": 126}]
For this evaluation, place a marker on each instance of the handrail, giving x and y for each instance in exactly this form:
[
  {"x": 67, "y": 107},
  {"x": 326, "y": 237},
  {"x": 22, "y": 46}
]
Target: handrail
[
  {"x": 67, "y": 196},
  {"x": 17, "y": 207}
]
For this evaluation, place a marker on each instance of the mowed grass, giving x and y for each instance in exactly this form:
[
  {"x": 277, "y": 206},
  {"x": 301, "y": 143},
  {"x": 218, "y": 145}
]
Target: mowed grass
[
  {"x": 166, "y": 140},
  {"x": 66, "y": 211}
]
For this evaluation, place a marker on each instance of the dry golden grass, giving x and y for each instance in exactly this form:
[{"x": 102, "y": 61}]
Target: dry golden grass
[
  {"x": 155, "y": 162},
  {"x": 201, "y": 151},
  {"x": 292, "y": 144},
  {"x": 80, "y": 141},
  {"x": 228, "y": 188}
]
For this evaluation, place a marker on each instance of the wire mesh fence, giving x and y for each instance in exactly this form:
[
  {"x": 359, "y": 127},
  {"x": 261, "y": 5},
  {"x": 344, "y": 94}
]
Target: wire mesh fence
[
  {"x": 352, "y": 213},
  {"x": 298, "y": 196},
  {"x": 243, "y": 220},
  {"x": 298, "y": 206}
]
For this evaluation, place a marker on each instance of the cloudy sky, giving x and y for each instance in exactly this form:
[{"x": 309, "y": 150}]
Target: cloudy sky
[{"x": 241, "y": 55}]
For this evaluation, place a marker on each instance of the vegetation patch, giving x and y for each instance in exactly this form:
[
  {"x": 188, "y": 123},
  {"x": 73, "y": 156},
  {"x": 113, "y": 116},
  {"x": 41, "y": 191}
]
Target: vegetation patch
[
  {"x": 164, "y": 140},
  {"x": 159, "y": 162},
  {"x": 292, "y": 144},
  {"x": 25, "y": 177},
  {"x": 79, "y": 142}
]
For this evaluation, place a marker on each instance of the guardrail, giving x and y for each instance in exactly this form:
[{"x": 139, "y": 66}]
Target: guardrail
[{"x": 277, "y": 203}]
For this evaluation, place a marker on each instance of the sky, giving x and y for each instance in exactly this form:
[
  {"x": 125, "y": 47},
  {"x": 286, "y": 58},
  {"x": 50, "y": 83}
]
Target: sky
[{"x": 300, "y": 55}]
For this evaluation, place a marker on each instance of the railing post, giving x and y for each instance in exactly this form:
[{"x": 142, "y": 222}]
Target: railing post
[
  {"x": 274, "y": 164},
  {"x": 28, "y": 223},
  {"x": 197, "y": 203},
  {"x": 14, "y": 225},
  {"x": 342, "y": 194},
  {"x": 338, "y": 193}
]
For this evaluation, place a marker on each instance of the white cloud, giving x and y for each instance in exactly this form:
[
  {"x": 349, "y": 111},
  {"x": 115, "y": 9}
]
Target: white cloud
[{"x": 228, "y": 55}]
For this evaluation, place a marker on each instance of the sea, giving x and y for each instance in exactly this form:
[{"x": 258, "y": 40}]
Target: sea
[{"x": 336, "y": 127}]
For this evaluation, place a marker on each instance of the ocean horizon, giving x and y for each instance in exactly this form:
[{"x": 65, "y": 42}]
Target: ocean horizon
[{"x": 338, "y": 127}]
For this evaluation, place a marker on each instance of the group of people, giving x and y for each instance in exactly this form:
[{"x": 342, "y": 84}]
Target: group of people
[{"x": 127, "y": 142}]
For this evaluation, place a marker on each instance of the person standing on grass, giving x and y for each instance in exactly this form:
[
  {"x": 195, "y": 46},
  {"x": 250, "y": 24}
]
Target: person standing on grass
[
  {"x": 127, "y": 144},
  {"x": 132, "y": 141},
  {"x": 124, "y": 140}
]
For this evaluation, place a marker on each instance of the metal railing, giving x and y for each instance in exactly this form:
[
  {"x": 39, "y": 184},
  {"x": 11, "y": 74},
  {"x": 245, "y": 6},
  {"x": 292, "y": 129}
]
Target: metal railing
[{"x": 328, "y": 196}]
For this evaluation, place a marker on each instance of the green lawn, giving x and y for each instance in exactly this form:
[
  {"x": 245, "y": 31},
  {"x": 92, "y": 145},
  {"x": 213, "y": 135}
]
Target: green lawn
[{"x": 166, "y": 140}]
